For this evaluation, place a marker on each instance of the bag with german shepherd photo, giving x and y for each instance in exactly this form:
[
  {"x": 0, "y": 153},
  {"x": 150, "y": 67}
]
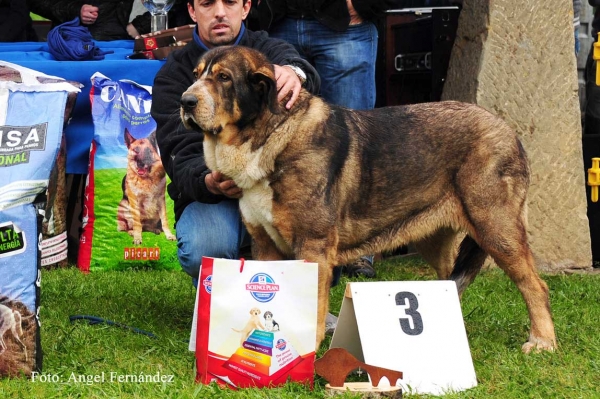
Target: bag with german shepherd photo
[
  {"x": 33, "y": 110},
  {"x": 256, "y": 322},
  {"x": 127, "y": 218}
]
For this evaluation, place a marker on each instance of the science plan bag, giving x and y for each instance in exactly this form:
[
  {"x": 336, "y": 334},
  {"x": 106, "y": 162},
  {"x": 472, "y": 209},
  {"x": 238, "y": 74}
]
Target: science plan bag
[{"x": 256, "y": 322}]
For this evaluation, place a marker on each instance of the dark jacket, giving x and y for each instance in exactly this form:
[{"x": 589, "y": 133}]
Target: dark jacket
[
  {"x": 331, "y": 13},
  {"x": 181, "y": 150},
  {"x": 15, "y": 22},
  {"x": 113, "y": 16}
]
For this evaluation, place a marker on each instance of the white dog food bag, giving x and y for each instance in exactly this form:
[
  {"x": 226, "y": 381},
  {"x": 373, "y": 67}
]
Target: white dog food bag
[
  {"x": 127, "y": 218},
  {"x": 32, "y": 116},
  {"x": 256, "y": 322}
]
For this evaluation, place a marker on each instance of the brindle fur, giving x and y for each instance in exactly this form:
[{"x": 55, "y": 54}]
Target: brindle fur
[{"x": 327, "y": 184}]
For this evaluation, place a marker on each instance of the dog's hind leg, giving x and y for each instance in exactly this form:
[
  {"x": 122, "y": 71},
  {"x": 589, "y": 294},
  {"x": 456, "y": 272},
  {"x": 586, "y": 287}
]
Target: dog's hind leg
[
  {"x": 439, "y": 251},
  {"x": 2, "y": 343},
  {"x": 17, "y": 331},
  {"x": 507, "y": 243}
]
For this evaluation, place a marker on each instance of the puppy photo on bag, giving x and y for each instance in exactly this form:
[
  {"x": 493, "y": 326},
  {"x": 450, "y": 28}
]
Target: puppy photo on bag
[{"x": 238, "y": 343}]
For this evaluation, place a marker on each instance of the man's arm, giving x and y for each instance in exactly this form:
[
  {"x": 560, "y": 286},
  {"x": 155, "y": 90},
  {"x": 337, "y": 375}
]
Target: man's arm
[
  {"x": 181, "y": 149},
  {"x": 281, "y": 53},
  {"x": 370, "y": 10},
  {"x": 57, "y": 11}
]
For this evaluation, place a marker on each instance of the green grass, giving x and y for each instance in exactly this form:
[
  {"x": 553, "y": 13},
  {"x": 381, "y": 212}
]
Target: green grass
[
  {"x": 161, "y": 302},
  {"x": 108, "y": 243}
]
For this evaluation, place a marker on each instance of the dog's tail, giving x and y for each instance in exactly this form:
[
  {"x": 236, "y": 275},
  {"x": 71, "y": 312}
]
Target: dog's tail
[{"x": 468, "y": 263}]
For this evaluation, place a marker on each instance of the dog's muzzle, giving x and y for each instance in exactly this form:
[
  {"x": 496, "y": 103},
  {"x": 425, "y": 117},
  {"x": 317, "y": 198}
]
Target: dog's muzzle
[{"x": 188, "y": 102}]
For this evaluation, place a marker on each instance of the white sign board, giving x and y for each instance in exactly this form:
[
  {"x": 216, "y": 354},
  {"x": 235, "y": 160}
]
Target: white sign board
[{"x": 411, "y": 326}]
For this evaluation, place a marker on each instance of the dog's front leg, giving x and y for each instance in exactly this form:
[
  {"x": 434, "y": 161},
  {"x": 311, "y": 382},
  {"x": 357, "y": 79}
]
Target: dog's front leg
[
  {"x": 323, "y": 252},
  {"x": 263, "y": 247},
  {"x": 164, "y": 221},
  {"x": 134, "y": 207}
]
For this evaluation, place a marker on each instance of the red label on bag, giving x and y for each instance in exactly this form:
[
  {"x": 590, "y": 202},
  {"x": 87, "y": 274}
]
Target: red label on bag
[{"x": 141, "y": 253}]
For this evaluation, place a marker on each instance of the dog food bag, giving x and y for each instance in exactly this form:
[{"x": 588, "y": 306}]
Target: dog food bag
[
  {"x": 127, "y": 217},
  {"x": 256, "y": 322},
  {"x": 32, "y": 116}
]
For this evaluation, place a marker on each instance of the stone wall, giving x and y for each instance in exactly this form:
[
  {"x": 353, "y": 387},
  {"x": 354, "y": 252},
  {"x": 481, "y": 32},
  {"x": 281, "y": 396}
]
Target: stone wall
[{"x": 516, "y": 59}]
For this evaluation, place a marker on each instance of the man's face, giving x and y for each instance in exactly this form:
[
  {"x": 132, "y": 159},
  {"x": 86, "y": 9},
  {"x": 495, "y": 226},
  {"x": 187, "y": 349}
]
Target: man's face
[{"x": 219, "y": 21}]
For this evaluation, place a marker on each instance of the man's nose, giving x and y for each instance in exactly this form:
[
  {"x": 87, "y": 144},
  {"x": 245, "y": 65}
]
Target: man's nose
[{"x": 219, "y": 8}]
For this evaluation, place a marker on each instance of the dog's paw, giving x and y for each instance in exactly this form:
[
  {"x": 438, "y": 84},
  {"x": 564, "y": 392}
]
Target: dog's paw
[
  {"x": 537, "y": 345},
  {"x": 171, "y": 237},
  {"x": 137, "y": 240}
]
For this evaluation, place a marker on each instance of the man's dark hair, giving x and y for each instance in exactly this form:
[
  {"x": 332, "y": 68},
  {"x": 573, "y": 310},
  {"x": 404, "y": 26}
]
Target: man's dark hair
[{"x": 191, "y": 2}]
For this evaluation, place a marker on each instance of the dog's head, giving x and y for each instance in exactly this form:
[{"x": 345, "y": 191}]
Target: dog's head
[
  {"x": 234, "y": 84},
  {"x": 255, "y": 311},
  {"x": 142, "y": 154},
  {"x": 268, "y": 315}
]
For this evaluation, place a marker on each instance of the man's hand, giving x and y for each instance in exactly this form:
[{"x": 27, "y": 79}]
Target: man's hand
[
  {"x": 219, "y": 185},
  {"x": 355, "y": 18},
  {"x": 287, "y": 81},
  {"x": 132, "y": 31},
  {"x": 88, "y": 14}
]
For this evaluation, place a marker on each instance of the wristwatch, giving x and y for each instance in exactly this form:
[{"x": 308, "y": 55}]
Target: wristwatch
[{"x": 299, "y": 72}]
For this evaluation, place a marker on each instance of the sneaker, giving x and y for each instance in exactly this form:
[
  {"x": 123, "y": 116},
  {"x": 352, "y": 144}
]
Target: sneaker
[
  {"x": 330, "y": 324},
  {"x": 362, "y": 267}
]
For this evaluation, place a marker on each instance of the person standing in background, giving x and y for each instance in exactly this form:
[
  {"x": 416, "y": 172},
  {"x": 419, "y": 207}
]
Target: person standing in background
[
  {"x": 339, "y": 39},
  {"x": 106, "y": 19},
  {"x": 15, "y": 22}
]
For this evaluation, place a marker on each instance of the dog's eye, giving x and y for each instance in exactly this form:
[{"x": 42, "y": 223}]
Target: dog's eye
[
  {"x": 195, "y": 74},
  {"x": 223, "y": 78}
]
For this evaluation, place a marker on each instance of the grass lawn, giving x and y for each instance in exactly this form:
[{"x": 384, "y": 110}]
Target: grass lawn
[{"x": 161, "y": 302}]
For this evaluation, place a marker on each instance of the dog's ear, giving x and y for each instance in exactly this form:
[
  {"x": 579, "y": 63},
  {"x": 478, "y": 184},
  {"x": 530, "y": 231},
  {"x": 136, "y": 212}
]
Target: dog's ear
[
  {"x": 152, "y": 139},
  {"x": 128, "y": 138},
  {"x": 264, "y": 81}
]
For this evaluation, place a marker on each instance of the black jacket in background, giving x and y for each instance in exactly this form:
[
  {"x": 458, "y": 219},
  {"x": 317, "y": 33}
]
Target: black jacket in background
[
  {"x": 15, "y": 22},
  {"x": 113, "y": 16},
  {"x": 180, "y": 149},
  {"x": 331, "y": 13}
]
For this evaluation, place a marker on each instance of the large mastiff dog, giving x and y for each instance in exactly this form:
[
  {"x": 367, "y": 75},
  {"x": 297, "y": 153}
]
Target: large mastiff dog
[{"x": 327, "y": 184}]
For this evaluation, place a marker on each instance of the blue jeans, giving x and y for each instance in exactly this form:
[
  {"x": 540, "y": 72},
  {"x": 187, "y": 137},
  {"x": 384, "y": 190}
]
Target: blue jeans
[
  {"x": 214, "y": 230},
  {"x": 345, "y": 61}
]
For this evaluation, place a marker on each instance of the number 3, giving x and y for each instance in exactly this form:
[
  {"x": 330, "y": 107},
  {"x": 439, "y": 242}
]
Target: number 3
[{"x": 411, "y": 311}]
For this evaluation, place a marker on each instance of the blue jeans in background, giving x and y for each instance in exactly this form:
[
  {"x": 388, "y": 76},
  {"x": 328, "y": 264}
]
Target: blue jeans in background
[
  {"x": 345, "y": 61},
  {"x": 214, "y": 230}
]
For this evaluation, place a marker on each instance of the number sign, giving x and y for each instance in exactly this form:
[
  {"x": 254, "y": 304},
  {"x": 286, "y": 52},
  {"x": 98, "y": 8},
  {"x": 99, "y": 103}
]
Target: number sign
[{"x": 411, "y": 326}]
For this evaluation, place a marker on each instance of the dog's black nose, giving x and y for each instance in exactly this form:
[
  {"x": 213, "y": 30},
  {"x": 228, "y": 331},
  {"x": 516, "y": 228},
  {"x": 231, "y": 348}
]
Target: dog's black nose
[{"x": 188, "y": 101}]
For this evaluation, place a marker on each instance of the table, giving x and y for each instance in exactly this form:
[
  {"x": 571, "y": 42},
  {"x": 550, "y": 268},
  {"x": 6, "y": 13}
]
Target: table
[{"x": 80, "y": 132}]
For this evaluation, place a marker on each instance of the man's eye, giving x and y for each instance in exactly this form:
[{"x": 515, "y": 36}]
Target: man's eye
[{"x": 223, "y": 78}]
